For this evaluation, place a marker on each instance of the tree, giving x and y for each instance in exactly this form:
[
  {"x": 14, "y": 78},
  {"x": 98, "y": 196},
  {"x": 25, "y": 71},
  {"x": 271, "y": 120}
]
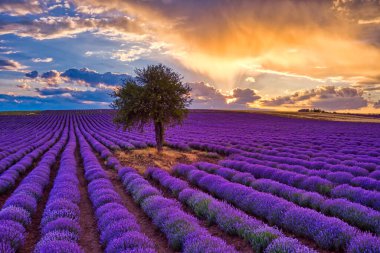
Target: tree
[{"x": 156, "y": 95}]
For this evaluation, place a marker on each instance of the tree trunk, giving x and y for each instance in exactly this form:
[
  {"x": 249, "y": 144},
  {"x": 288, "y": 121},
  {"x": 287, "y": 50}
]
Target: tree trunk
[{"x": 159, "y": 131}]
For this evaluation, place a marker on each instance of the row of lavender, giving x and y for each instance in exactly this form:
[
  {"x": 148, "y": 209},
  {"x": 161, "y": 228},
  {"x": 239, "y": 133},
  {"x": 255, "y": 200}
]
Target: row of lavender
[
  {"x": 17, "y": 130},
  {"x": 334, "y": 142},
  {"x": 349, "y": 171},
  {"x": 220, "y": 139},
  {"x": 335, "y": 177},
  {"x": 311, "y": 176},
  {"x": 352, "y": 213},
  {"x": 183, "y": 231},
  {"x": 362, "y": 217},
  {"x": 328, "y": 233},
  {"x": 59, "y": 228},
  {"x": 16, "y": 213},
  {"x": 329, "y": 241},
  {"x": 22, "y": 143},
  {"x": 232, "y": 221},
  {"x": 290, "y": 179}
]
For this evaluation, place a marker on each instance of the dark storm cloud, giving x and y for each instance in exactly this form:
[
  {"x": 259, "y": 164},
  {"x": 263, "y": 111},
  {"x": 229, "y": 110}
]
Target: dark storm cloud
[
  {"x": 55, "y": 91},
  {"x": 94, "y": 78},
  {"x": 376, "y": 104},
  {"x": 10, "y": 65},
  {"x": 83, "y": 76},
  {"x": 50, "y": 74},
  {"x": 278, "y": 101},
  {"x": 13, "y": 102},
  {"x": 244, "y": 96},
  {"x": 97, "y": 95},
  {"x": 207, "y": 96},
  {"x": 325, "y": 97},
  {"x": 32, "y": 74}
]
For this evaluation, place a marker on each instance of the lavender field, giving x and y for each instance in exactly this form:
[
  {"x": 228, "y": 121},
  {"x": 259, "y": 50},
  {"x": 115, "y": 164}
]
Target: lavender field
[{"x": 260, "y": 183}]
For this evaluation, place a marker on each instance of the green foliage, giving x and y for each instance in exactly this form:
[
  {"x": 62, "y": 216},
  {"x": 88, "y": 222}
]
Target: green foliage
[
  {"x": 259, "y": 240},
  {"x": 157, "y": 95}
]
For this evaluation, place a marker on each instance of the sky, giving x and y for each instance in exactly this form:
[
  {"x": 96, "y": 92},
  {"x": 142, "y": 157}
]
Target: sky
[{"x": 243, "y": 54}]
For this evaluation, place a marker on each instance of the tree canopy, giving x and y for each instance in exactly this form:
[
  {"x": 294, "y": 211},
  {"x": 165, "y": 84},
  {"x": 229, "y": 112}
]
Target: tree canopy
[{"x": 156, "y": 95}]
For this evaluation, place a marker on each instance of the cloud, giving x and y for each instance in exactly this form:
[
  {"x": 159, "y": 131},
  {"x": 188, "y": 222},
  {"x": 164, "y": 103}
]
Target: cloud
[
  {"x": 7, "y": 50},
  {"x": 94, "y": 78},
  {"x": 63, "y": 4},
  {"x": 377, "y": 105},
  {"x": 32, "y": 74},
  {"x": 130, "y": 55},
  {"x": 250, "y": 79},
  {"x": 53, "y": 27},
  {"x": 207, "y": 96},
  {"x": 50, "y": 74},
  {"x": 215, "y": 37},
  {"x": 13, "y": 102},
  {"x": 10, "y": 65},
  {"x": 324, "y": 97},
  {"x": 54, "y": 91},
  {"x": 361, "y": 11},
  {"x": 100, "y": 87},
  {"x": 124, "y": 55},
  {"x": 24, "y": 86},
  {"x": 20, "y": 7},
  {"x": 49, "y": 59},
  {"x": 52, "y": 78},
  {"x": 243, "y": 96},
  {"x": 370, "y": 21},
  {"x": 95, "y": 95},
  {"x": 83, "y": 76}
]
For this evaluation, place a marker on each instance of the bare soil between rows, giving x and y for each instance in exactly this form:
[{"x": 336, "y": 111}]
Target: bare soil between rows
[
  {"x": 146, "y": 225},
  {"x": 4, "y": 196},
  {"x": 311, "y": 244},
  {"x": 33, "y": 232},
  {"x": 232, "y": 240},
  {"x": 144, "y": 158},
  {"x": 89, "y": 239},
  {"x": 141, "y": 159}
]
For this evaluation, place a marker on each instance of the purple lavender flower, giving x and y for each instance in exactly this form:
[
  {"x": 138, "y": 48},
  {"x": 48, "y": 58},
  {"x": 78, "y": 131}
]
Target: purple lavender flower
[
  {"x": 58, "y": 247},
  {"x": 287, "y": 245},
  {"x": 17, "y": 214},
  {"x": 364, "y": 243},
  {"x": 117, "y": 228},
  {"x": 128, "y": 241},
  {"x": 62, "y": 224}
]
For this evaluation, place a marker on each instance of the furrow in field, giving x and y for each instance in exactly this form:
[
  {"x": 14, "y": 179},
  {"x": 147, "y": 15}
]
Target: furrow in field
[
  {"x": 22, "y": 211},
  {"x": 354, "y": 214},
  {"x": 89, "y": 239},
  {"x": 309, "y": 243},
  {"x": 238, "y": 243},
  {"x": 33, "y": 232},
  {"x": 117, "y": 226},
  {"x": 326, "y": 232},
  {"x": 147, "y": 227}
]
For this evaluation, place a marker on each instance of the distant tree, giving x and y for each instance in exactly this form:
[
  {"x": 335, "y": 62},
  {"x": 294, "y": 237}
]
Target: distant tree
[{"x": 156, "y": 95}]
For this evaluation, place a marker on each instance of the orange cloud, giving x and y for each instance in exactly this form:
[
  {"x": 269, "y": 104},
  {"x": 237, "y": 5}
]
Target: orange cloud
[{"x": 226, "y": 39}]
